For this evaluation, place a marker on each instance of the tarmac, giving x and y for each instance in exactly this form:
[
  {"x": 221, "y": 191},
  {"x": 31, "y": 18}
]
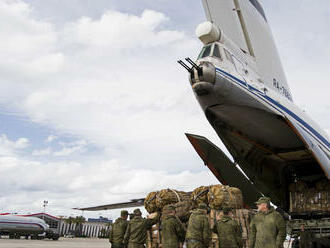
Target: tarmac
[{"x": 62, "y": 243}]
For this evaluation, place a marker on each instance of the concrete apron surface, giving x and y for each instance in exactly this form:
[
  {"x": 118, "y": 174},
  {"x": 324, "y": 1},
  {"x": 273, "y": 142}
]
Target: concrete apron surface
[{"x": 61, "y": 243}]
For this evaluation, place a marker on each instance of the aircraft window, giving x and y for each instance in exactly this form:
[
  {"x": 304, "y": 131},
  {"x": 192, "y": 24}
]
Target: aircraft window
[
  {"x": 205, "y": 52},
  {"x": 229, "y": 57},
  {"x": 216, "y": 51}
]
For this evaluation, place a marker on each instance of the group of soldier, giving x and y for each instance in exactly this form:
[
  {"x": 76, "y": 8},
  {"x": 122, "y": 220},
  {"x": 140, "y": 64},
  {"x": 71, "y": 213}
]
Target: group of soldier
[{"x": 267, "y": 229}]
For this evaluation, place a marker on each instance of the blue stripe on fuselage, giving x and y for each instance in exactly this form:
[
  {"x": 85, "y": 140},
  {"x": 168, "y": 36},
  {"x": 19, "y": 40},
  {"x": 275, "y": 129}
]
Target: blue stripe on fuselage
[{"x": 278, "y": 107}]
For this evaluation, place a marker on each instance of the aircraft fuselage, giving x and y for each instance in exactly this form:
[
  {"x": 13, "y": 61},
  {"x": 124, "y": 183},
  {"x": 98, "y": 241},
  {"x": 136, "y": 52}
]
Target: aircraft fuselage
[{"x": 255, "y": 121}]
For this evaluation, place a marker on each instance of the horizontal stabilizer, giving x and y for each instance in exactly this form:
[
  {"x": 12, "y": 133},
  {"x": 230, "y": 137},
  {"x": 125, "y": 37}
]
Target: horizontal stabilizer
[
  {"x": 223, "y": 168},
  {"x": 130, "y": 204}
]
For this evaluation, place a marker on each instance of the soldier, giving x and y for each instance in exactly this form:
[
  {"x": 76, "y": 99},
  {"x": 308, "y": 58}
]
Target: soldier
[
  {"x": 229, "y": 232},
  {"x": 131, "y": 216},
  {"x": 136, "y": 232},
  {"x": 198, "y": 232},
  {"x": 173, "y": 231},
  {"x": 267, "y": 228},
  {"x": 305, "y": 238},
  {"x": 118, "y": 230}
]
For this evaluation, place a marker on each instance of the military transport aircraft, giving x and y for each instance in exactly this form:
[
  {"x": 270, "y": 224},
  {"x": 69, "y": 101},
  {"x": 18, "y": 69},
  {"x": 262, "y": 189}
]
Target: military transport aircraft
[{"x": 240, "y": 84}]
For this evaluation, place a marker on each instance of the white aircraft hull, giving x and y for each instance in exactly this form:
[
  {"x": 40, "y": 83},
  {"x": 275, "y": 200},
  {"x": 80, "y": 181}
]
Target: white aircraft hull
[
  {"x": 230, "y": 92},
  {"x": 270, "y": 138},
  {"x": 21, "y": 225}
]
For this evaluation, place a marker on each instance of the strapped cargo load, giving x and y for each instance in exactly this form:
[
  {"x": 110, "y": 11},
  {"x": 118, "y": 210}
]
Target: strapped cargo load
[
  {"x": 306, "y": 198},
  {"x": 183, "y": 209},
  {"x": 222, "y": 196},
  {"x": 170, "y": 196},
  {"x": 150, "y": 202},
  {"x": 323, "y": 185},
  {"x": 155, "y": 201},
  {"x": 199, "y": 195},
  {"x": 298, "y": 187}
]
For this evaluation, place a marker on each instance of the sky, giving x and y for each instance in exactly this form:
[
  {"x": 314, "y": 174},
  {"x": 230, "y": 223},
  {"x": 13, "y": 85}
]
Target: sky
[{"x": 94, "y": 107}]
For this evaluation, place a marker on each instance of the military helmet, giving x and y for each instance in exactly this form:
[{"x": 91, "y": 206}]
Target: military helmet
[
  {"x": 123, "y": 213},
  {"x": 137, "y": 212},
  {"x": 263, "y": 199},
  {"x": 202, "y": 206}
]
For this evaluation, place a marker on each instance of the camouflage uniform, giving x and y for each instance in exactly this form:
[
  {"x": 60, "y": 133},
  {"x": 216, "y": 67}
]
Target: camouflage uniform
[
  {"x": 267, "y": 229},
  {"x": 117, "y": 231},
  {"x": 136, "y": 232},
  {"x": 173, "y": 231},
  {"x": 198, "y": 232},
  {"x": 229, "y": 232},
  {"x": 305, "y": 239}
]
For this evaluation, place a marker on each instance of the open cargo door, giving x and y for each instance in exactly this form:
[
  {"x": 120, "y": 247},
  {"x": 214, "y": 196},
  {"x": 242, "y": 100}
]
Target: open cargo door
[
  {"x": 223, "y": 168},
  {"x": 312, "y": 145}
]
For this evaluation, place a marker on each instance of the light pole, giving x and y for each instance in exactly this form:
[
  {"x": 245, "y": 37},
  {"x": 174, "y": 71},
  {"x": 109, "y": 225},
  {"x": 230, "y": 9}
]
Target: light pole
[{"x": 44, "y": 205}]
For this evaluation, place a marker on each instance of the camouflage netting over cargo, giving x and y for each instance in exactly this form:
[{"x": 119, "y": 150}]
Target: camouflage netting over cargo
[
  {"x": 222, "y": 196},
  {"x": 215, "y": 196},
  {"x": 169, "y": 196},
  {"x": 155, "y": 201},
  {"x": 199, "y": 195},
  {"x": 150, "y": 202},
  {"x": 309, "y": 198}
]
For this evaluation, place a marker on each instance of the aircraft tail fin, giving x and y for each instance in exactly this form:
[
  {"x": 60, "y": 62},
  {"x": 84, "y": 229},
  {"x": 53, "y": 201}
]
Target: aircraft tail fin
[{"x": 244, "y": 22}]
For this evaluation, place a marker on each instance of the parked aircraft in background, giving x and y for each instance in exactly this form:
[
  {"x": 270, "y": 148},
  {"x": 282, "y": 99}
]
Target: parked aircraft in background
[{"x": 17, "y": 226}]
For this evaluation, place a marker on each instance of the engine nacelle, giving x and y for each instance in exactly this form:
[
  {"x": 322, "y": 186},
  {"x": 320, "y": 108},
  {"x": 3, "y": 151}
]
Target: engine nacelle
[{"x": 208, "y": 32}]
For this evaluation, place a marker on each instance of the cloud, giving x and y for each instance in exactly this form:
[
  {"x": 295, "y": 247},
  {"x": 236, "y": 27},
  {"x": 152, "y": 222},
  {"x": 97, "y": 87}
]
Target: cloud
[
  {"x": 50, "y": 138},
  {"x": 71, "y": 184},
  {"x": 118, "y": 87},
  {"x": 28, "y": 46},
  {"x": 8, "y": 146},
  {"x": 66, "y": 148},
  {"x": 123, "y": 31},
  {"x": 110, "y": 81},
  {"x": 42, "y": 152},
  {"x": 70, "y": 148}
]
